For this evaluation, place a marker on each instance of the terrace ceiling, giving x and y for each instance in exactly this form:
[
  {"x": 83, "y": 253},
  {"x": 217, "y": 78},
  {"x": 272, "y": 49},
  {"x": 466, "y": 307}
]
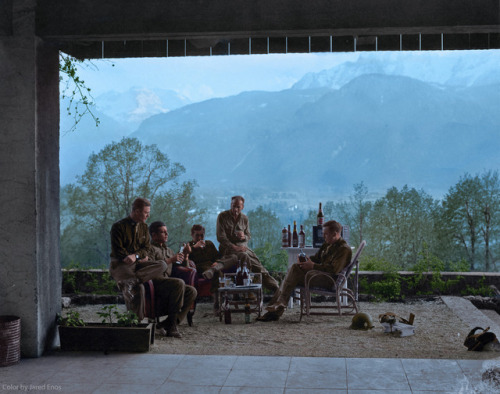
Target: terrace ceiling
[{"x": 160, "y": 28}]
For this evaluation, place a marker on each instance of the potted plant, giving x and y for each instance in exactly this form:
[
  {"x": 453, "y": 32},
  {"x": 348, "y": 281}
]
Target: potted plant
[{"x": 126, "y": 334}]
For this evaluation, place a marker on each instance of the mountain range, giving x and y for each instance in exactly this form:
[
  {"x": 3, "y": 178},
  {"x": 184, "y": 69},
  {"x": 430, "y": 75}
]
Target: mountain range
[{"x": 375, "y": 120}]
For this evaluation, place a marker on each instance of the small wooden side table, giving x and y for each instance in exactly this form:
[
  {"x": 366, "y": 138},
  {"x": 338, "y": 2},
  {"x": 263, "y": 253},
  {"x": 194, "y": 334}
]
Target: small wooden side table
[{"x": 243, "y": 292}]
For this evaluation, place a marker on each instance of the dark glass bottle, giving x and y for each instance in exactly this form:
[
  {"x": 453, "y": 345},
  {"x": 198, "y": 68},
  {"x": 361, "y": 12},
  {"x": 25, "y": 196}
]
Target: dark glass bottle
[
  {"x": 227, "y": 312},
  {"x": 239, "y": 275},
  {"x": 295, "y": 236},
  {"x": 246, "y": 273},
  {"x": 302, "y": 237},
  {"x": 289, "y": 237},
  {"x": 284, "y": 238},
  {"x": 320, "y": 217}
]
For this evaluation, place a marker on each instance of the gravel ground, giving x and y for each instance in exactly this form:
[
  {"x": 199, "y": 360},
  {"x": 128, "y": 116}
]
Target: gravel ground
[{"x": 439, "y": 334}]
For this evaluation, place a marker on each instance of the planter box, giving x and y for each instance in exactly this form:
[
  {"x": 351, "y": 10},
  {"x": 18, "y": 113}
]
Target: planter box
[{"x": 103, "y": 337}]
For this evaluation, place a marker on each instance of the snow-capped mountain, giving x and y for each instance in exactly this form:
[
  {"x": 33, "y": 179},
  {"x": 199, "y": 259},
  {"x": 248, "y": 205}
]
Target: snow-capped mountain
[
  {"x": 138, "y": 104},
  {"x": 454, "y": 69}
]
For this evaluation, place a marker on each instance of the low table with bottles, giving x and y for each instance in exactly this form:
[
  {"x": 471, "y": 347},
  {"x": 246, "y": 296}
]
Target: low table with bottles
[{"x": 243, "y": 293}]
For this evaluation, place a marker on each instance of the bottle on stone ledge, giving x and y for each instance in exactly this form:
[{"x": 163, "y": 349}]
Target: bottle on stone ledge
[
  {"x": 295, "y": 236},
  {"x": 284, "y": 238},
  {"x": 302, "y": 237},
  {"x": 320, "y": 217}
]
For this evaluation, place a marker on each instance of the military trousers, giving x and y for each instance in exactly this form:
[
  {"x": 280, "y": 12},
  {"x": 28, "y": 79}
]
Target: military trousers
[
  {"x": 121, "y": 271},
  {"x": 296, "y": 277},
  {"x": 173, "y": 298}
]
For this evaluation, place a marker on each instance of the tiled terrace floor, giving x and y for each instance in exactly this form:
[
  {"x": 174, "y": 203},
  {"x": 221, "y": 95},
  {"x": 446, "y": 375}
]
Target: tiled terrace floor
[{"x": 73, "y": 372}]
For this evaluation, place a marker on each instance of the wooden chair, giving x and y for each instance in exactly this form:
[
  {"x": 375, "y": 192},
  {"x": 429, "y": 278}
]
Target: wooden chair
[
  {"x": 345, "y": 298},
  {"x": 150, "y": 301}
]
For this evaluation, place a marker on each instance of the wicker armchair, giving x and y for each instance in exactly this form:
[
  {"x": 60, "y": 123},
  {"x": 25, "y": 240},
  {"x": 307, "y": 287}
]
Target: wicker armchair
[{"x": 345, "y": 298}]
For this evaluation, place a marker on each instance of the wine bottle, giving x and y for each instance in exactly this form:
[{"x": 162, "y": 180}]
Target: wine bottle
[
  {"x": 302, "y": 237},
  {"x": 320, "y": 217},
  {"x": 289, "y": 237},
  {"x": 239, "y": 275},
  {"x": 284, "y": 238},
  {"x": 295, "y": 236},
  {"x": 245, "y": 274}
]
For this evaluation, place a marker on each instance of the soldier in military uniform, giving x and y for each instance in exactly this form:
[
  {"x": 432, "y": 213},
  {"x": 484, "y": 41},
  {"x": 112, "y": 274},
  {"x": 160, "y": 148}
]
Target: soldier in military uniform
[
  {"x": 159, "y": 251},
  {"x": 130, "y": 264},
  {"x": 233, "y": 234},
  {"x": 202, "y": 252},
  {"x": 331, "y": 258}
]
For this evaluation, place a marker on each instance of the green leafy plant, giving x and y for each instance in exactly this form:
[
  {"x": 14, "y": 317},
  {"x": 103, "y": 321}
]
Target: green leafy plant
[
  {"x": 74, "y": 265},
  {"x": 102, "y": 284},
  {"x": 69, "y": 282},
  {"x": 274, "y": 259},
  {"x": 72, "y": 319},
  {"x": 126, "y": 319},
  {"x": 429, "y": 263},
  {"x": 371, "y": 263},
  {"x": 481, "y": 289},
  {"x": 387, "y": 289},
  {"x": 75, "y": 90}
]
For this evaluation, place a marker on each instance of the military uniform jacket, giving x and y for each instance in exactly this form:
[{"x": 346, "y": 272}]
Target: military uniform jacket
[
  {"x": 161, "y": 252},
  {"x": 227, "y": 228},
  {"x": 332, "y": 258},
  {"x": 129, "y": 237},
  {"x": 203, "y": 255}
]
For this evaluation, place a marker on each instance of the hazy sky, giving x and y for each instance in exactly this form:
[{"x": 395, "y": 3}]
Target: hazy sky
[{"x": 201, "y": 78}]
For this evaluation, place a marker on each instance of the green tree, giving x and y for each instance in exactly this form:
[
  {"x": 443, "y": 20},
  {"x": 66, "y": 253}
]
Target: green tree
[
  {"x": 399, "y": 224},
  {"x": 265, "y": 228},
  {"x": 114, "y": 177},
  {"x": 354, "y": 213},
  {"x": 470, "y": 217}
]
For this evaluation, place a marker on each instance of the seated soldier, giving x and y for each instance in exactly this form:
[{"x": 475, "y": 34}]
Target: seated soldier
[
  {"x": 160, "y": 251},
  {"x": 131, "y": 266},
  {"x": 332, "y": 257},
  {"x": 233, "y": 234},
  {"x": 204, "y": 255},
  {"x": 207, "y": 258}
]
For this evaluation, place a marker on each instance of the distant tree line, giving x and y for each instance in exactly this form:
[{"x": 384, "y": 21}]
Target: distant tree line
[
  {"x": 462, "y": 230},
  {"x": 402, "y": 228}
]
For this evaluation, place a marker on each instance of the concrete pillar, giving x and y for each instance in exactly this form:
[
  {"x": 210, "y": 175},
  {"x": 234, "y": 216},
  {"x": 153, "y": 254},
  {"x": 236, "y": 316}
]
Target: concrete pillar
[{"x": 30, "y": 274}]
